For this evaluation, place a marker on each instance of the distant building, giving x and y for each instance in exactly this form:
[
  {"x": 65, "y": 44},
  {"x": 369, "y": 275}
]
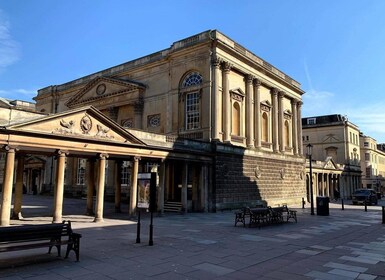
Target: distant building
[
  {"x": 336, "y": 154},
  {"x": 372, "y": 163},
  {"x": 219, "y": 125}
]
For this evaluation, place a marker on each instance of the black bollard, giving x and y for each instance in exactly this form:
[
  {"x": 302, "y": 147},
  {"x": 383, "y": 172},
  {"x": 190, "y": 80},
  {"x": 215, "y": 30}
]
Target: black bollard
[
  {"x": 342, "y": 205},
  {"x": 151, "y": 242},
  {"x": 138, "y": 229},
  {"x": 366, "y": 206},
  {"x": 383, "y": 214},
  {"x": 303, "y": 203}
]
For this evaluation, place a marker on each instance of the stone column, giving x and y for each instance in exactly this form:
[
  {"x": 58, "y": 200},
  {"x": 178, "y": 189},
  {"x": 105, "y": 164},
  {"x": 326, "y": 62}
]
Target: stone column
[
  {"x": 217, "y": 106},
  {"x": 7, "y": 186},
  {"x": 226, "y": 102},
  {"x": 59, "y": 188},
  {"x": 138, "y": 111},
  {"x": 294, "y": 127},
  {"x": 257, "y": 113},
  {"x": 281, "y": 122},
  {"x": 16, "y": 215},
  {"x": 274, "y": 95},
  {"x": 203, "y": 183},
  {"x": 249, "y": 112},
  {"x": 118, "y": 185},
  {"x": 162, "y": 184},
  {"x": 299, "y": 128},
  {"x": 100, "y": 188},
  {"x": 90, "y": 173},
  {"x": 184, "y": 186},
  {"x": 134, "y": 187}
]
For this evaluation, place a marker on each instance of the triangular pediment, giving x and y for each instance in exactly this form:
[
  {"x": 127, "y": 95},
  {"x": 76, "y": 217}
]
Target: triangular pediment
[
  {"x": 104, "y": 92},
  {"x": 330, "y": 138},
  {"x": 329, "y": 164},
  {"x": 83, "y": 123}
]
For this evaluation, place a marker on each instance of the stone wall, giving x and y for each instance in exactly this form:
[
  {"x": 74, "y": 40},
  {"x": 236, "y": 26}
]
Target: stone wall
[{"x": 244, "y": 180}]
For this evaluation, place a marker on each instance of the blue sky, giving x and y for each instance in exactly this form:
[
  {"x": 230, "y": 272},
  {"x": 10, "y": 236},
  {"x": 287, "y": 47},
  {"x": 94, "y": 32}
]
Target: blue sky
[{"x": 335, "y": 49}]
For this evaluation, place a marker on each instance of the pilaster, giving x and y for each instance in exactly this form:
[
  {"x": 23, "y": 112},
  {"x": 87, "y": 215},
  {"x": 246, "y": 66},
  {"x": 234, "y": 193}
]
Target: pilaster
[{"x": 249, "y": 112}]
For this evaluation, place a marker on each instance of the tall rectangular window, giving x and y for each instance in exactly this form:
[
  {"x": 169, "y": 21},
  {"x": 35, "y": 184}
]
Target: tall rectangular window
[
  {"x": 80, "y": 178},
  {"x": 192, "y": 110},
  {"x": 126, "y": 173}
]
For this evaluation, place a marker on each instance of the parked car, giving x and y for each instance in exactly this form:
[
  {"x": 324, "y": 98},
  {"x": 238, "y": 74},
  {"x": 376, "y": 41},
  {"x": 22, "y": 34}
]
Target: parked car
[{"x": 360, "y": 196}]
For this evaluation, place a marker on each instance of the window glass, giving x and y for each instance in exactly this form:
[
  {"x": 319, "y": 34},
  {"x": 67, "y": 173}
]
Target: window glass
[
  {"x": 80, "y": 178},
  {"x": 192, "y": 111}
]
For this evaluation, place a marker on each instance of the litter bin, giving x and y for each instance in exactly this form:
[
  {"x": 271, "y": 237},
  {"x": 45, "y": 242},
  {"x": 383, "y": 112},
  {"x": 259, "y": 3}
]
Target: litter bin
[{"x": 322, "y": 205}]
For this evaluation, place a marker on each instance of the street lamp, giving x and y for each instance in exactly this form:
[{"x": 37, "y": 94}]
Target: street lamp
[{"x": 309, "y": 152}]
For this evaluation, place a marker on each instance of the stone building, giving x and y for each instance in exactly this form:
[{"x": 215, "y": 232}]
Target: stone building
[
  {"x": 220, "y": 126},
  {"x": 336, "y": 154},
  {"x": 372, "y": 163}
]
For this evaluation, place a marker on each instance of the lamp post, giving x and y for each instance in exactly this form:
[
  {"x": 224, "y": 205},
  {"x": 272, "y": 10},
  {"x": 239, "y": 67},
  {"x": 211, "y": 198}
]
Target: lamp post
[{"x": 309, "y": 152}]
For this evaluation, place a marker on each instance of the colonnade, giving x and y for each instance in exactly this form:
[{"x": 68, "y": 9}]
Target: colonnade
[
  {"x": 95, "y": 166},
  {"x": 324, "y": 184},
  {"x": 222, "y": 112},
  {"x": 5, "y": 212}
]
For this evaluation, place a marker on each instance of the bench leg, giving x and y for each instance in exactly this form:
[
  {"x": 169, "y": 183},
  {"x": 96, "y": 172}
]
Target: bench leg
[{"x": 75, "y": 246}]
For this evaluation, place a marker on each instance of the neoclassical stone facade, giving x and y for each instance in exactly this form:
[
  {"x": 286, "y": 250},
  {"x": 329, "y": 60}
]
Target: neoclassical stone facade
[
  {"x": 224, "y": 124},
  {"x": 336, "y": 155}
]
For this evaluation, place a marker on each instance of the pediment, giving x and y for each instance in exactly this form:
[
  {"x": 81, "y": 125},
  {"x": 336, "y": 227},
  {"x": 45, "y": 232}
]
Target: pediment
[
  {"x": 330, "y": 138},
  {"x": 86, "y": 122},
  {"x": 103, "y": 92},
  {"x": 329, "y": 164}
]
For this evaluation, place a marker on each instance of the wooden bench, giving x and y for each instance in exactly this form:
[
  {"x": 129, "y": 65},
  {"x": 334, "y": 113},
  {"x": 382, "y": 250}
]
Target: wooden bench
[{"x": 16, "y": 238}]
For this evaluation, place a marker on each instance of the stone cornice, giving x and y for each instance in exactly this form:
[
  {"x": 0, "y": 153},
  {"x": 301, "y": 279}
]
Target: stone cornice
[{"x": 201, "y": 38}]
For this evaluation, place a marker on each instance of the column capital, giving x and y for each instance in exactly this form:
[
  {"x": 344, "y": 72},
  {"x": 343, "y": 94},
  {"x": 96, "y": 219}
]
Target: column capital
[
  {"x": 294, "y": 101},
  {"x": 281, "y": 94},
  {"x": 299, "y": 103},
  {"x": 136, "y": 158},
  {"x": 226, "y": 66},
  {"x": 216, "y": 61},
  {"x": 249, "y": 78},
  {"x": 103, "y": 156},
  {"x": 61, "y": 153},
  {"x": 274, "y": 91},
  {"x": 10, "y": 149},
  {"x": 257, "y": 82}
]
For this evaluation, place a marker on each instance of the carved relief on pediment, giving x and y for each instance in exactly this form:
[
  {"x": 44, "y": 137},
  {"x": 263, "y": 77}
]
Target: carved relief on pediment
[
  {"x": 102, "y": 91},
  {"x": 83, "y": 125}
]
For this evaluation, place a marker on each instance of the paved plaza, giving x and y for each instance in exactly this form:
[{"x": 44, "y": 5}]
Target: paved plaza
[{"x": 347, "y": 244}]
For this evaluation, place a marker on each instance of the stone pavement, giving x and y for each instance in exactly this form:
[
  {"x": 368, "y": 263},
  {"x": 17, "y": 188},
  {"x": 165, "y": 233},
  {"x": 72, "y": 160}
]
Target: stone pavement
[{"x": 348, "y": 244}]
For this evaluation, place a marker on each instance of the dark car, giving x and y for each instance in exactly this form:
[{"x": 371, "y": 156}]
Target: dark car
[{"x": 361, "y": 196}]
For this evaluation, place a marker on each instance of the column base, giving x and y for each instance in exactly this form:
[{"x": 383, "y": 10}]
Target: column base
[
  {"x": 17, "y": 216},
  {"x": 98, "y": 220}
]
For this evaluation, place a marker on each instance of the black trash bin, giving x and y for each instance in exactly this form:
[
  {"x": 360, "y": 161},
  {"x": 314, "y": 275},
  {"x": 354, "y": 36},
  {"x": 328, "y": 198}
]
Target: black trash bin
[{"x": 322, "y": 205}]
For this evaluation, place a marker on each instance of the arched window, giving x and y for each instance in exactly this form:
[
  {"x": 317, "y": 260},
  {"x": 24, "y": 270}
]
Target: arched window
[
  {"x": 191, "y": 95},
  {"x": 265, "y": 127},
  {"x": 287, "y": 134},
  {"x": 192, "y": 79},
  {"x": 236, "y": 130}
]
